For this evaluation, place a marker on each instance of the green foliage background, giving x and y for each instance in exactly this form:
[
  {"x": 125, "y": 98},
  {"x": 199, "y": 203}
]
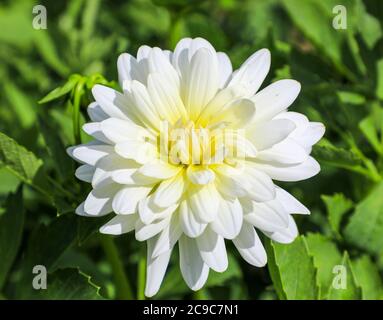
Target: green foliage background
[{"x": 341, "y": 72}]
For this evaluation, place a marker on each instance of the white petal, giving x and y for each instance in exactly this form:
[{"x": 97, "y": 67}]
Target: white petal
[
  {"x": 168, "y": 237},
  {"x": 253, "y": 71},
  {"x": 275, "y": 98},
  {"x": 313, "y": 133},
  {"x": 287, "y": 235},
  {"x": 143, "y": 106},
  {"x": 166, "y": 98},
  {"x": 194, "y": 270},
  {"x": 290, "y": 204},
  {"x": 302, "y": 171},
  {"x": 118, "y": 130},
  {"x": 229, "y": 219},
  {"x": 113, "y": 103},
  {"x": 169, "y": 191},
  {"x": 142, "y": 152},
  {"x": 126, "y": 200},
  {"x": 149, "y": 211},
  {"x": 119, "y": 225},
  {"x": 200, "y": 175},
  {"x": 94, "y": 130},
  {"x": 85, "y": 173},
  {"x": 159, "y": 63},
  {"x": 225, "y": 68},
  {"x": 250, "y": 246},
  {"x": 237, "y": 114},
  {"x": 96, "y": 113},
  {"x": 147, "y": 231},
  {"x": 258, "y": 184},
  {"x": 204, "y": 202},
  {"x": 89, "y": 153},
  {"x": 191, "y": 225},
  {"x": 268, "y": 216},
  {"x": 212, "y": 249},
  {"x": 200, "y": 83},
  {"x": 99, "y": 200},
  {"x": 265, "y": 134},
  {"x": 156, "y": 269},
  {"x": 159, "y": 169},
  {"x": 285, "y": 152}
]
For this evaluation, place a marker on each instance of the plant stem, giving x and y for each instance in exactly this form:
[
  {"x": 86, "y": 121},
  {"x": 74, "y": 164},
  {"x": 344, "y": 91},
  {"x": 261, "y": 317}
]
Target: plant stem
[
  {"x": 123, "y": 287},
  {"x": 141, "y": 275},
  {"x": 77, "y": 94}
]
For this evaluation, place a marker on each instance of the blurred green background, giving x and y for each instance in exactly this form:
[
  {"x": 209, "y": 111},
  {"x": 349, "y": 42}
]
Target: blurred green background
[{"x": 341, "y": 72}]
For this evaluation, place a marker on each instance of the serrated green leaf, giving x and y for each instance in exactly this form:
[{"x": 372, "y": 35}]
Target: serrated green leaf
[
  {"x": 351, "y": 290},
  {"x": 61, "y": 91},
  {"x": 68, "y": 284},
  {"x": 367, "y": 126},
  {"x": 337, "y": 157},
  {"x": 337, "y": 205},
  {"x": 292, "y": 270},
  {"x": 326, "y": 255},
  {"x": 11, "y": 230},
  {"x": 368, "y": 278},
  {"x": 18, "y": 159},
  {"x": 365, "y": 227}
]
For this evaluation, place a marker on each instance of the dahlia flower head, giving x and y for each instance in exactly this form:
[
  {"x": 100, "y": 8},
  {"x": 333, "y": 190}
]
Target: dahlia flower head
[{"x": 188, "y": 153}]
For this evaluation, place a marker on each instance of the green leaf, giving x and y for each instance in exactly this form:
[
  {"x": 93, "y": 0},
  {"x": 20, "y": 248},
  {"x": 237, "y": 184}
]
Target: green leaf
[
  {"x": 351, "y": 291},
  {"x": 69, "y": 284},
  {"x": 56, "y": 148},
  {"x": 367, "y": 126},
  {"x": 351, "y": 97},
  {"x": 337, "y": 157},
  {"x": 19, "y": 160},
  {"x": 21, "y": 104},
  {"x": 314, "y": 19},
  {"x": 292, "y": 270},
  {"x": 337, "y": 205},
  {"x": 326, "y": 255},
  {"x": 379, "y": 85},
  {"x": 365, "y": 227},
  {"x": 368, "y": 278},
  {"x": 11, "y": 230},
  {"x": 61, "y": 91}
]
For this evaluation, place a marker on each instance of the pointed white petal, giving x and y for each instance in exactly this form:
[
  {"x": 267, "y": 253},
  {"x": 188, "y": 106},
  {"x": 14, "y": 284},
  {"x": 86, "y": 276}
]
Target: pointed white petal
[
  {"x": 156, "y": 269},
  {"x": 194, "y": 270},
  {"x": 126, "y": 200},
  {"x": 229, "y": 219},
  {"x": 250, "y": 246},
  {"x": 225, "y": 68},
  {"x": 302, "y": 171},
  {"x": 96, "y": 113},
  {"x": 169, "y": 191},
  {"x": 265, "y": 134},
  {"x": 191, "y": 225},
  {"x": 85, "y": 173},
  {"x": 275, "y": 98},
  {"x": 89, "y": 153},
  {"x": 212, "y": 249},
  {"x": 119, "y": 225},
  {"x": 290, "y": 204},
  {"x": 168, "y": 237},
  {"x": 253, "y": 71}
]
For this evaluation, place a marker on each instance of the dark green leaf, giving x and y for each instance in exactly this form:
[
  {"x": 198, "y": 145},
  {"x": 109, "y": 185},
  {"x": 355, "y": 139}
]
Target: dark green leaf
[
  {"x": 368, "y": 278},
  {"x": 11, "y": 230}
]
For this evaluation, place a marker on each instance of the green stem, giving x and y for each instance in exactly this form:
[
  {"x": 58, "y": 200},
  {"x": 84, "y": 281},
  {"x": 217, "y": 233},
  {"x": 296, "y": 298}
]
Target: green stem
[
  {"x": 123, "y": 287},
  {"x": 200, "y": 295},
  {"x": 77, "y": 94},
  {"x": 141, "y": 275}
]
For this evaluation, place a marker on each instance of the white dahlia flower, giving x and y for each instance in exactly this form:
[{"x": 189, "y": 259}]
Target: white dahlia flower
[{"x": 188, "y": 153}]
